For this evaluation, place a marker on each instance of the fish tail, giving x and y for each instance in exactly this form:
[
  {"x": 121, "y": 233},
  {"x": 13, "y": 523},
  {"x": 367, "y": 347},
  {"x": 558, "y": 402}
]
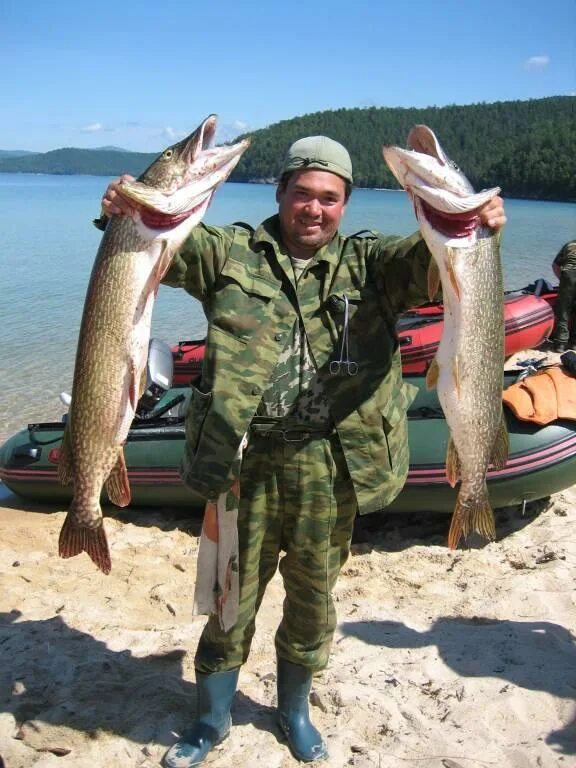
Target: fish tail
[
  {"x": 472, "y": 514},
  {"x": 76, "y": 538}
]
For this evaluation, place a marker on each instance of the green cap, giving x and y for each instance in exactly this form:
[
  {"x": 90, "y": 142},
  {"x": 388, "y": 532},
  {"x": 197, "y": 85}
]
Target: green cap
[{"x": 319, "y": 153}]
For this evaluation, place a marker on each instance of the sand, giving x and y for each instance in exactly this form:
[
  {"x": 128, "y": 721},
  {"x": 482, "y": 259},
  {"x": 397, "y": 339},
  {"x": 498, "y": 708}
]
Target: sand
[{"x": 441, "y": 659}]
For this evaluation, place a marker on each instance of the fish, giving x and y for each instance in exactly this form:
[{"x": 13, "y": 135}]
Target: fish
[
  {"x": 168, "y": 199},
  {"x": 469, "y": 363}
]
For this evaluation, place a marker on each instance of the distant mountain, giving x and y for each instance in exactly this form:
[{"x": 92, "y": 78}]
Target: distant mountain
[
  {"x": 14, "y": 152},
  {"x": 528, "y": 148},
  {"x": 70, "y": 161}
]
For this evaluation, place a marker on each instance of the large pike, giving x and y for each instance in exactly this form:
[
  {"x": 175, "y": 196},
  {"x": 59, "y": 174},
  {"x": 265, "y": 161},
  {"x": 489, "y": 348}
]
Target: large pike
[
  {"x": 168, "y": 200},
  {"x": 469, "y": 363}
]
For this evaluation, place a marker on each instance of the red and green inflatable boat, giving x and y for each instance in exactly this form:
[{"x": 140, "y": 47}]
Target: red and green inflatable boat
[
  {"x": 542, "y": 460},
  {"x": 528, "y": 319}
]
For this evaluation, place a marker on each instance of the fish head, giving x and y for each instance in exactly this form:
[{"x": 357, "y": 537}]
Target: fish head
[
  {"x": 443, "y": 198},
  {"x": 179, "y": 184}
]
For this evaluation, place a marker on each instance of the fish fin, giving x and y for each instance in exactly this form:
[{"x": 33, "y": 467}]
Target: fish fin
[
  {"x": 76, "y": 538},
  {"x": 453, "y": 278},
  {"x": 65, "y": 463},
  {"x": 433, "y": 280},
  {"x": 160, "y": 268},
  {"x": 501, "y": 446},
  {"x": 432, "y": 374},
  {"x": 472, "y": 515},
  {"x": 163, "y": 263},
  {"x": 117, "y": 485},
  {"x": 453, "y": 466},
  {"x": 138, "y": 380},
  {"x": 456, "y": 374}
]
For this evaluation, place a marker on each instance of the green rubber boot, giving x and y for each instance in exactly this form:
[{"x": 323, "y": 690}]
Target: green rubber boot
[
  {"x": 294, "y": 683},
  {"x": 215, "y": 694}
]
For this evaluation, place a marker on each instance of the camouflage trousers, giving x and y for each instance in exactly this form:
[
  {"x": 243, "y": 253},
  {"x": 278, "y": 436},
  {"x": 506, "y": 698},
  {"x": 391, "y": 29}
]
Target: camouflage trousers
[
  {"x": 296, "y": 512},
  {"x": 565, "y": 309}
]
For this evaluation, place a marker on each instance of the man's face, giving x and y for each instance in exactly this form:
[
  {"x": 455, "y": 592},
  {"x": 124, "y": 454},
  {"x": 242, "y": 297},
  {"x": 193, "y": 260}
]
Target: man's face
[{"x": 311, "y": 206}]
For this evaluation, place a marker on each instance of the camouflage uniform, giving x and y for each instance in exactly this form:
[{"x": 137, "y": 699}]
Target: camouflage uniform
[
  {"x": 300, "y": 494},
  {"x": 564, "y": 309}
]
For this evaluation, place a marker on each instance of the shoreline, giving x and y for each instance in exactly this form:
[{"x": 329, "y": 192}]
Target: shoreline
[{"x": 273, "y": 182}]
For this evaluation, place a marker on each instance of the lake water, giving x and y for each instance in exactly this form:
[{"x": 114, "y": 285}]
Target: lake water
[{"x": 49, "y": 245}]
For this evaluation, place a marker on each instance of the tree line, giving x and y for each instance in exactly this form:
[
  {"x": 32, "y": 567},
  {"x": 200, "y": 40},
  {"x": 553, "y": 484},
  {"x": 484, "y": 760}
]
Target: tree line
[{"x": 528, "y": 148}]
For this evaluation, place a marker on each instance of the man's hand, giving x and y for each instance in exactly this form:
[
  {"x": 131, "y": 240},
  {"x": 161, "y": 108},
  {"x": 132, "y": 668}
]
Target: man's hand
[
  {"x": 113, "y": 203},
  {"x": 492, "y": 214}
]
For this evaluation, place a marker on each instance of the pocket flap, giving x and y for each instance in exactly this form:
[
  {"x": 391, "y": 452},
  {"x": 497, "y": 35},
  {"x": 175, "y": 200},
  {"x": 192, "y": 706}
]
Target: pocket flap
[{"x": 249, "y": 280}]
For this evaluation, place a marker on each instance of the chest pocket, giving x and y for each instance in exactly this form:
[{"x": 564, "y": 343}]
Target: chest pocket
[
  {"x": 362, "y": 313},
  {"x": 242, "y": 301}
]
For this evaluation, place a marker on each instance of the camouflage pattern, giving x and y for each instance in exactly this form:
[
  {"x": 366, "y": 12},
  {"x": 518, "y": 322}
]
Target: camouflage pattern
[
  {"x": 296, "y": 392},
  {"x": 566, "y": 256},
  {"x": 246, "y": 284},
  {"x": 564, "y": 308},
  {"x": 299, "y": 498}
]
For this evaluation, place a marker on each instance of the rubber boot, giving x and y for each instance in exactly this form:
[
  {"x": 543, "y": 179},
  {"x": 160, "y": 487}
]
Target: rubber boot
[
  {"x": 215, "y": 694},
  {"x": 294, "y": 683}
]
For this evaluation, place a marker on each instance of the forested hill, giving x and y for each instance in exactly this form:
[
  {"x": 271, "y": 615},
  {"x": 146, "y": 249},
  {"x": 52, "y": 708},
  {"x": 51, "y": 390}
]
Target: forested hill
[
  {"x": 94, "y": 162},
  {"x": 528, "y": 148}
]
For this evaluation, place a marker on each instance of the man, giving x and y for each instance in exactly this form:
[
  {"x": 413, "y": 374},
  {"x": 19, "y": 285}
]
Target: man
[
  {"x": 564, "y": 266},
  {"x": 302, "y": 356}
]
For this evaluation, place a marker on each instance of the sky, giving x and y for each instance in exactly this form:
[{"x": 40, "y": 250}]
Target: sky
[{"x": 139, "y": 75}]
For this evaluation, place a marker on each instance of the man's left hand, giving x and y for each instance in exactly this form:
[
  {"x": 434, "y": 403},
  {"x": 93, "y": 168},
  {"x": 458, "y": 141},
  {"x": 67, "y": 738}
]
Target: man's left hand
[{"x": 492, "y": 214}]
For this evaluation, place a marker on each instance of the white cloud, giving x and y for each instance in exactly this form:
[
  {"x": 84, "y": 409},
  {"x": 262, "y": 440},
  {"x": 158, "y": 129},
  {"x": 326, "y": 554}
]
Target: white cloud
[
  {"x": 92, "y": 128},
  {"x": 537, "y": 62},
  {"x": 96, "y": 128},
  {"x": 229, "y": 131}
]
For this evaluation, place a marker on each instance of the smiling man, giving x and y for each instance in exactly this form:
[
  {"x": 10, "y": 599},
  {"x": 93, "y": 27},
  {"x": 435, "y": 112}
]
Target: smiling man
[
  {"x": 311, "y": 202},
  {"x": 302, "y": 367}
]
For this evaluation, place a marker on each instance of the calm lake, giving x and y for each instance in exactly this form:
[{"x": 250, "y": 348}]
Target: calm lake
[{"x": 49, "y": 245}]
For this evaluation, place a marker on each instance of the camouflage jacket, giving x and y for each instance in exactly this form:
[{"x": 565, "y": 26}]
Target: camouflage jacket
[
  {"x": 245, "y": 281},
  {"x": 566, "y": 256}
]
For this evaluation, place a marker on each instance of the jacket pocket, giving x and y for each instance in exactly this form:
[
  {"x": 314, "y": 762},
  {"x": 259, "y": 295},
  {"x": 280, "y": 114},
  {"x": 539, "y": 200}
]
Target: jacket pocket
[
  {"x": 241, "y": 303},
  {"x": 395, "y": 425}
]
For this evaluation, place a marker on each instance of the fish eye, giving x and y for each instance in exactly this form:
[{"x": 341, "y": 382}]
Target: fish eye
[{"x": 168, "y": 154}]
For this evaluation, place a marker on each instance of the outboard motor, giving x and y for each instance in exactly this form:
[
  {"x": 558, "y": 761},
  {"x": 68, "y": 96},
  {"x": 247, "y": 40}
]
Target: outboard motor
[{"x": 159, "y": 373}]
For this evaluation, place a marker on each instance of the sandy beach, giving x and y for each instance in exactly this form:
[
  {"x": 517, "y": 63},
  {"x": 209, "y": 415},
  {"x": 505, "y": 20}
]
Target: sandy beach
[{"x": 441, "y": 659}]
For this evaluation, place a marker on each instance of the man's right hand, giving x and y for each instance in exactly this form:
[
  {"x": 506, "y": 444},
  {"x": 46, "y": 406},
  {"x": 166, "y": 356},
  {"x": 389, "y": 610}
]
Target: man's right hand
[{"x": 113, "y": 203}]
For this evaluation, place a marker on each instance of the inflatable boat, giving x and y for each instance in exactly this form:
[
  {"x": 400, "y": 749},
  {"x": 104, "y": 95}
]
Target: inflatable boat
[
  {"x": 542, "y": 460},
  {"x": 528, "y": 321}
]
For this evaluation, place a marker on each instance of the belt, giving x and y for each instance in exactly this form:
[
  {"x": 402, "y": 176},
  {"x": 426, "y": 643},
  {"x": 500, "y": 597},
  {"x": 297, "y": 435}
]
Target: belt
[{"x": 289, "y": 433}]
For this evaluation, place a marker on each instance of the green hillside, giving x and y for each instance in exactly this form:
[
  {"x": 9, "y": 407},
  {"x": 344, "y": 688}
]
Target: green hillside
[
  {"x": 95, "y": 162},
  {"x": 528, "y": 148}
]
